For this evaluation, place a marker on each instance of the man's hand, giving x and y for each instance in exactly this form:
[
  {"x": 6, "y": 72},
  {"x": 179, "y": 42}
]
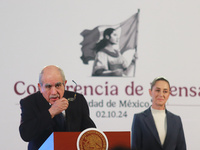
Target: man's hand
[{"x": 59, "y": 106}]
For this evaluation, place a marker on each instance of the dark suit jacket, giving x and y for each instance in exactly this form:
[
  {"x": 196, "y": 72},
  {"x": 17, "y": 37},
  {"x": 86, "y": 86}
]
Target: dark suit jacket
[
  {"x": 144, "y": 134},
  {"x": 37, "y": 124}
]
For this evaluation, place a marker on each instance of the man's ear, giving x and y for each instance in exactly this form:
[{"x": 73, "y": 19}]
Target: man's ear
[{"x": 39, "y": 87}]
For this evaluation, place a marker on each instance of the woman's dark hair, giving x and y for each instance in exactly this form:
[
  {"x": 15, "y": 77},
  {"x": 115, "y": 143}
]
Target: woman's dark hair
[{"x": 102, "y": 43}]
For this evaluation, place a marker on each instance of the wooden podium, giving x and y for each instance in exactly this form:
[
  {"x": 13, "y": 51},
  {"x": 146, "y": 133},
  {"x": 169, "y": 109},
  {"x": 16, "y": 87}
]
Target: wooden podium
[{"x": 63, "y": 140}]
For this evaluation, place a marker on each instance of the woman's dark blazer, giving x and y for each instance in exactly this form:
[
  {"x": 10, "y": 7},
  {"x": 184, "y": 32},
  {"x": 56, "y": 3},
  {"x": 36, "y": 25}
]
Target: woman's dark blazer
[{"x": 144, "y": 135}]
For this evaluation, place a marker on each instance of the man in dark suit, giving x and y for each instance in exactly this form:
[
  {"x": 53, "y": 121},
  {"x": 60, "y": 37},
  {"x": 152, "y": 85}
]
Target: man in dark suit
[
  {"x": 42, "y": 112},
  {"x": 156, "y": 128}
]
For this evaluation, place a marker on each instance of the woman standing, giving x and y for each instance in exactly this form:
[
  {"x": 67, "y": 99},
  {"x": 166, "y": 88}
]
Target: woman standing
[
  {"x": 156, "y": 128},
  {"x": 108, "y": 60}
]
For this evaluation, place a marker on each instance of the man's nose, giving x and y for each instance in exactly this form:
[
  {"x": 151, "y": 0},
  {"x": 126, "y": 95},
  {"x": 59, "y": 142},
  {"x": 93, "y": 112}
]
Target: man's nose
[{"x": 53, "y": 90}]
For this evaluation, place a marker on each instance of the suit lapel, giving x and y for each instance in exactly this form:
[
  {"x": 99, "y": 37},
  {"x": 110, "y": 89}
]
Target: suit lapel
[
  {"x": 42, "y": 102},
  {"x": 151, "y": 124},
  {"x": 169, "y": 127}
]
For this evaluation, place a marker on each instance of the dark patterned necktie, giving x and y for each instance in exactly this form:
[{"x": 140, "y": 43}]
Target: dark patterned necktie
[{"x": 60, "y": 122}]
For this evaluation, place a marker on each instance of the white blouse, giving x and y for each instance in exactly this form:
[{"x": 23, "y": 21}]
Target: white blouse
[{"x": 160, "y": 120}]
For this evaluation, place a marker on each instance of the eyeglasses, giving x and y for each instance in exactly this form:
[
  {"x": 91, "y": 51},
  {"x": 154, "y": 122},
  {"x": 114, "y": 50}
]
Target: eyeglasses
[{"x": 73, "y": 98}]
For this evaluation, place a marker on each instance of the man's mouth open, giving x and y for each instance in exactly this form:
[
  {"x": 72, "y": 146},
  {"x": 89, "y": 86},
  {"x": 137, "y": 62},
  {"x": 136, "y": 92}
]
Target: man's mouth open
[{"x": 54, "y": 97}]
